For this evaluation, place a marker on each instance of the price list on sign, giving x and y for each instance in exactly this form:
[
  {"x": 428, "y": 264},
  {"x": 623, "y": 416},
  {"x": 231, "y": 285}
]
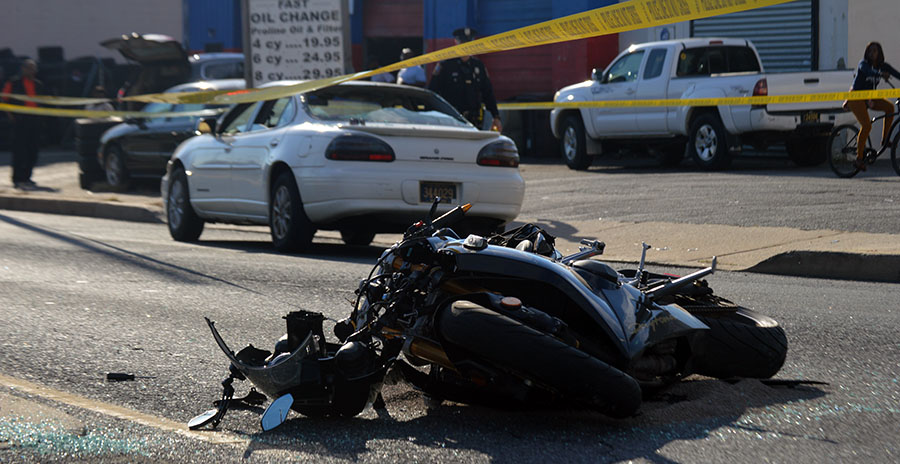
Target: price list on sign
[{"x": 295, "y": 39}]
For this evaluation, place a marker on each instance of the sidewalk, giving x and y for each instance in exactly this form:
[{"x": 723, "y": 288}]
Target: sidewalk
[{"x": 813, "y": 253}]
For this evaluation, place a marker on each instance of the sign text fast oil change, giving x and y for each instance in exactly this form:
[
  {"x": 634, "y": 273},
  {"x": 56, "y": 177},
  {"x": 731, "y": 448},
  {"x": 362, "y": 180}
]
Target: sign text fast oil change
[{"x": 295, "y": 39}]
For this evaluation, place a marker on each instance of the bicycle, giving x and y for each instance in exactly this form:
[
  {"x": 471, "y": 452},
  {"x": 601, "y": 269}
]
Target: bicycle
[{"x": 842, "y": 145}]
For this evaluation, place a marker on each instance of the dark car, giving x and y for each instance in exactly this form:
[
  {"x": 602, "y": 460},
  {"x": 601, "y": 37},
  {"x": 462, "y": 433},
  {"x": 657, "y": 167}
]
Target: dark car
[
  {"x": 141, "y": 147},
  {"x": 164, "y": 63}
]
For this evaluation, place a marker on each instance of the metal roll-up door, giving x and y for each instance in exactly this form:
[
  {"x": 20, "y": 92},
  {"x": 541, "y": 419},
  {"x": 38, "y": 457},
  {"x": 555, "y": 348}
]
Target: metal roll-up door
[{"x": 784, "y": 35}]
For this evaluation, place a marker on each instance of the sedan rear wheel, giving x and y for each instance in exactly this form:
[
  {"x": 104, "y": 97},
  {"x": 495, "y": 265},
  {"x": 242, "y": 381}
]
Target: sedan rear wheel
[
  {"x": 291, "y": 229},
  {"x": 114, "y": 164},
  {"x": 184, "y": 224},
  {"x": 358, "y": 237}
]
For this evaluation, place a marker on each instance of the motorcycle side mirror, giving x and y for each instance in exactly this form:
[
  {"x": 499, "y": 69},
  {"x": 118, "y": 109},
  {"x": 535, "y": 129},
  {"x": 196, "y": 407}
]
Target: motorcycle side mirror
[
  {"x": 277, "y": 412},
  {"x": 434, "y": 205},
  {"x": 201, "y": 420}
]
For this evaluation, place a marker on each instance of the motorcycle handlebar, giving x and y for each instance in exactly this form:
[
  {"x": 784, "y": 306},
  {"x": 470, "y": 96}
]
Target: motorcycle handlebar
[{"x": 444, "y": 220}]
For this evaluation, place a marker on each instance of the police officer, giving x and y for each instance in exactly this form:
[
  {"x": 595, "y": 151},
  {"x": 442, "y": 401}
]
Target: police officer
[
  {"x": 464, "y": 82},
  {"x": 27, "y": 128}
]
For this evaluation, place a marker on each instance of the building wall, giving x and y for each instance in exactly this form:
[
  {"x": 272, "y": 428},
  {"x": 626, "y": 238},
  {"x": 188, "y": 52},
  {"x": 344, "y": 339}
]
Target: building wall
[
  {"x": 212, "y": 22},
  {"x": 873, "y": 20},
  {"x": 80, "y": 26},
  {"x": 535, "y": 71}
]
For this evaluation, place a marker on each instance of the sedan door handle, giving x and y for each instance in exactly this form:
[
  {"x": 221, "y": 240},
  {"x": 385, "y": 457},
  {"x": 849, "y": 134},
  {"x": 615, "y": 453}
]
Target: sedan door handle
[
  {"x": 274, "y": 143},
  {"x": 629, "y": 92}
]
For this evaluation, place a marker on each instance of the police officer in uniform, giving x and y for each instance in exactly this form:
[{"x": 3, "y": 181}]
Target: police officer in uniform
[{"x": 464, "y": 82}]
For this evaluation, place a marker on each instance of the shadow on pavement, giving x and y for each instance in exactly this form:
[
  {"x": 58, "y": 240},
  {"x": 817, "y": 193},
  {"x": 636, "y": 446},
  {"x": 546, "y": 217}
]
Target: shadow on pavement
[{"x": 691, "y": 410}]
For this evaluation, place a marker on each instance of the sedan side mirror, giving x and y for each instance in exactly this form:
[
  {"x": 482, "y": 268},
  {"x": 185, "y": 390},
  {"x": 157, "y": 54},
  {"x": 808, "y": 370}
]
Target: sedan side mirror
[
  {"x": 206, "y": 126},
  {"x": 595, "y": 75}
]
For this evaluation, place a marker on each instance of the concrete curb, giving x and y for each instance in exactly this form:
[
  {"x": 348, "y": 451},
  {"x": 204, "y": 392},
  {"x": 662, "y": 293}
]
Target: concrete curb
[
  {"x": 803, "y": 263},
  {"x": 105, "y": 210},
  {"x": 832, "y": 265}
]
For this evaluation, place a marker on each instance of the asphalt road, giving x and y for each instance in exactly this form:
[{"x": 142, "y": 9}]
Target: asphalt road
[
  {"x": 761, "y": 189},
  {"x": 82, "y": 297}
]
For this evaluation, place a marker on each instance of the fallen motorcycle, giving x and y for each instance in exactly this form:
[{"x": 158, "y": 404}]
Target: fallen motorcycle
[{"x": 504, "y": 320}]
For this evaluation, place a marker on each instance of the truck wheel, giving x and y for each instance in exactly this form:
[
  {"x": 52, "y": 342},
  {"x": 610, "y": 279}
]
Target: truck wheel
[
  {"x": 708, "y": 144},
  {"x": 573, "y": 144},
  {"x": 807, "y": 152}
]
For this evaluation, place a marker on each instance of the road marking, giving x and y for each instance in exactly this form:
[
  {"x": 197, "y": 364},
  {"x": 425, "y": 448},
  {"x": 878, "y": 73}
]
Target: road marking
[{"x": 119, "y": 412}]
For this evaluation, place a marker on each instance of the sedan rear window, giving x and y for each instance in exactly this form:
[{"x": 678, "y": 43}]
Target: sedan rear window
[{"x": 381, "y": 104}]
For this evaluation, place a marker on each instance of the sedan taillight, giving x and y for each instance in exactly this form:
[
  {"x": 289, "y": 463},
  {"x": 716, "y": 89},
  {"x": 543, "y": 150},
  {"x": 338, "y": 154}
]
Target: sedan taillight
[
  {"x": 502, "y": 153},
  {"x": 359, "y": 148}
]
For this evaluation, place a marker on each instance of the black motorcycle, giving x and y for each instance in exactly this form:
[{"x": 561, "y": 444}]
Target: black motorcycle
[{"x": 505, "y": 320}]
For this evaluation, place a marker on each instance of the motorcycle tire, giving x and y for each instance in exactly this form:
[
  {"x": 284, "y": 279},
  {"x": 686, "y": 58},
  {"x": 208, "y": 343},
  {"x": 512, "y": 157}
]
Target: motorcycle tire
[
  {"x": 537, "y": 356},
  {"x": 739, "y": 344}
]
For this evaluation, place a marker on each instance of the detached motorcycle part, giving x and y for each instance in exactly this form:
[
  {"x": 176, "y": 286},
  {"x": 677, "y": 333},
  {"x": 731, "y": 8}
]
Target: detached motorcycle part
[
  {"x": 738, "y": 344},
  {"x": 214, "y": 416},
  {"x": 277, "y": 412},
  {"x": 539, "y": 357}
]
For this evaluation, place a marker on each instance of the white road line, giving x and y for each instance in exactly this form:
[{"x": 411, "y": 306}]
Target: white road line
[{"x": 120, "y": 412}]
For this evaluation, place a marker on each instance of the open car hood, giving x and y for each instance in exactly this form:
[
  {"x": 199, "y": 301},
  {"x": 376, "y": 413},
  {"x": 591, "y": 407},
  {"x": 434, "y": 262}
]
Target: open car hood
[{"x": 148, "y": 48}]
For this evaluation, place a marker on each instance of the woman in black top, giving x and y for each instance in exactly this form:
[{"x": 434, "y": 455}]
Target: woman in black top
[{"x": 868, "y": 74}]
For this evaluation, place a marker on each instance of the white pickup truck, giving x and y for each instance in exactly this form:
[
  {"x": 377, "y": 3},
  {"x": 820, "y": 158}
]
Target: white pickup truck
[{"x": 697, "y": 68}]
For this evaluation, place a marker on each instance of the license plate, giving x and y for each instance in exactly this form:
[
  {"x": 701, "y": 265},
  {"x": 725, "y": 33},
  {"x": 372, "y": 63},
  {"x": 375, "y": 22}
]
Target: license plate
[
  {"x": 445, "y": 190},
  {"x": 810, "y": 116}
]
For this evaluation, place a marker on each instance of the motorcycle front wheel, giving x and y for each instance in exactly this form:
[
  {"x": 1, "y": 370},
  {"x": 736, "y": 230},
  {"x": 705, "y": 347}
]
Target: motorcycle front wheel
[
  {"x": 540, "y": 357},
  {"x": 740, "y": 343}
]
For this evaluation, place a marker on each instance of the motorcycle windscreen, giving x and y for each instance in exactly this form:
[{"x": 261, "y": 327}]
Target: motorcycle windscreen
[{"x": 275, "y": 377}]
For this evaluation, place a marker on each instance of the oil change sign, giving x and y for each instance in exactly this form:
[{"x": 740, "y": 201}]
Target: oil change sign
[{"x": 295, "y": 39}]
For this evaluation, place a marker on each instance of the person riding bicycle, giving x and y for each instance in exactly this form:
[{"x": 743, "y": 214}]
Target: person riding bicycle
[{"x": 868, "y": 74}]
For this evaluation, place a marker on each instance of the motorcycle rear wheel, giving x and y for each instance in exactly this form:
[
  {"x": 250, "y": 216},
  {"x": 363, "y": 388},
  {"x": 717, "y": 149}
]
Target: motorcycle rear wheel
[
  {"x": 739, "y": 344},
  {"x": 540, "y": 357}
]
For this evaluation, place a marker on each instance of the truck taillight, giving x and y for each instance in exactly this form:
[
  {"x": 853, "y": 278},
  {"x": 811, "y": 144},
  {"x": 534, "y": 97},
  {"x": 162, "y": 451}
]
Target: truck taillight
[
  {"x": 761, "y": 89},
  {"x": 502, "y": 153},
  {"x": 359, "y": 148}
]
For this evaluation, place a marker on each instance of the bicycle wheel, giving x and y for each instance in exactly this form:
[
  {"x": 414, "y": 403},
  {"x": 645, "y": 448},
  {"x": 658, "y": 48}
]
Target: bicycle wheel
[
  {"x": 842, "y": 150},
  {"x": 895, "y": 157}
]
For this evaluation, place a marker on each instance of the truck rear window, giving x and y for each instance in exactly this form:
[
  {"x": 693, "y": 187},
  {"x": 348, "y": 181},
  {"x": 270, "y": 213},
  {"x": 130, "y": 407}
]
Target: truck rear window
[{"x": 716, "y": 60}]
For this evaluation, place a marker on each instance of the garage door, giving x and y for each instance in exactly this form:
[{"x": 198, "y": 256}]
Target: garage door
[{"x": 785, "y": 35}]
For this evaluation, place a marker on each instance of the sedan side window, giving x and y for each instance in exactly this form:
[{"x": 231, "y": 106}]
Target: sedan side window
[
  {"x": 274, "y": 113},
  {"x": 236, "y": 121},
  {"x": 625, "y": 69}
]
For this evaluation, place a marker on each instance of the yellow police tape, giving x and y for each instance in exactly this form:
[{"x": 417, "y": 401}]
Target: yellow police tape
[
  {"x": 723, "y": 101},
  {"x": 64, "y": 113},
  {"x": 620, "y": 17}
]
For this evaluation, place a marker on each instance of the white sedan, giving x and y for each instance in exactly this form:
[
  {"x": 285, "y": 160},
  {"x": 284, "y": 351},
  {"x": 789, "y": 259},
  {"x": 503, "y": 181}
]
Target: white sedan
[{"x": 361, "y": 157}]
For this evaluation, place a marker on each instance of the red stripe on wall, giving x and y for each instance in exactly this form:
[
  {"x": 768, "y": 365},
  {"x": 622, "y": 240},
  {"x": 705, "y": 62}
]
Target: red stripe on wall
[{"x": 393, "y": 18}]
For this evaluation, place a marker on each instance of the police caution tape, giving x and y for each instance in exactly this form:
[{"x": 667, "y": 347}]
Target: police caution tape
[
  {"x": 621, "y": 17},
  {"x": 724, "y": 101},
  {"x": 67, "y": 113}
]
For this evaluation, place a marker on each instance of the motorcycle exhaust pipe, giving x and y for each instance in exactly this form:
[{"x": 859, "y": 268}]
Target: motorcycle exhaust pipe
[
  {"x": 673, "y": 286},
  {"x": 429, "y": 351}
]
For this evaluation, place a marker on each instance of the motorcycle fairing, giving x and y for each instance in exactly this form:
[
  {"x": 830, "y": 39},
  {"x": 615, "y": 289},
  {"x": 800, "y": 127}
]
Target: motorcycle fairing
[
  {"x": 652, "y": 323},
  {"x": 273, "y": 380},
  {"x": 515, "y": 263}
]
